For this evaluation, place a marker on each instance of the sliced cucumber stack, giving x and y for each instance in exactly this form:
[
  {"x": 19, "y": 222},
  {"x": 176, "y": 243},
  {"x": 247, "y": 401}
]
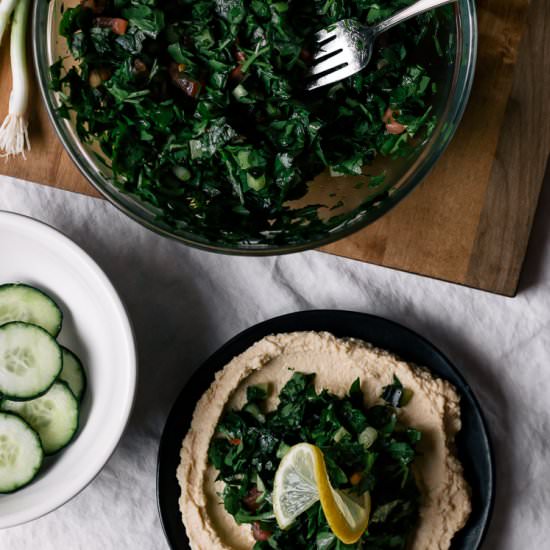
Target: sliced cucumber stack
[
  {"x": 19, "y": 302},
  {"x": 21, "y": 454},
  {"x": 41, "y": 385},
  {"x": 30, "y": 360},
  {"x": 73, "y": 373},
  {"x": 53, "y": 416}
]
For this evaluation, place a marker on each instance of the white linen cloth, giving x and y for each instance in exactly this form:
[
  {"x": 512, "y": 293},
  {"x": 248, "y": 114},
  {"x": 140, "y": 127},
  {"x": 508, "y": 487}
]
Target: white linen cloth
[{"x": 186, "y": 303}]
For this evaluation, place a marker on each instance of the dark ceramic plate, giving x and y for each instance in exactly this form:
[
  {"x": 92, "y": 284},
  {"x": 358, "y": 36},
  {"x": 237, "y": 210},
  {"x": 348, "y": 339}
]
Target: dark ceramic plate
[{"x": 474, "y": 448}]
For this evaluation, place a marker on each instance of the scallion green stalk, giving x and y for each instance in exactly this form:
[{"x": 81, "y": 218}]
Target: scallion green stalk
[
  {"x": 6, "y": 9},
  {"x": 14, "y": 137}
]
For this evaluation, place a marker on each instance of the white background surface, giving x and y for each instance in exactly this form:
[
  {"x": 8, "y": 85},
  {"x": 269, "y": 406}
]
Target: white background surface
[{"x": 185, "y": 304}]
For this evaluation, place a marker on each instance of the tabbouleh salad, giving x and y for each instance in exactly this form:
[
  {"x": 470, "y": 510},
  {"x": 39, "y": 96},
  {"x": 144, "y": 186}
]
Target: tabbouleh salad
[{"x": 200, "y": 108}]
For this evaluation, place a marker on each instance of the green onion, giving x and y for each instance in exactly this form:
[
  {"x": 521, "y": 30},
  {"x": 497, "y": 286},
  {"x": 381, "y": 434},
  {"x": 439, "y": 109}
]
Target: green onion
[
  {"x": 261, "y": 488},
  {"x": 340, "y": 433},
  {"x": 243, "y": 158},
  {"x": 182, "y": 173},
  {"x": 254, "y": 410},
  {"x": 239, "y": 92},
  {"x": 367, "y": 437},
  {"x": 6, "y": 9},
  {"x": 14, "y": 137},
  {"x": 257, "y": 184}
]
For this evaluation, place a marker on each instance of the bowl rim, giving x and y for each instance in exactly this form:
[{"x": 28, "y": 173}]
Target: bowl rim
[
  {"x": 465, "y": 11},
  {"x": 62, "y": 497}
]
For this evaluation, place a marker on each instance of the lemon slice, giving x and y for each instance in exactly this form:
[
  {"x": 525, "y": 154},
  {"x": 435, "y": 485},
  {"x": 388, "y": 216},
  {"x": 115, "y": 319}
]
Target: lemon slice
[
  {"x": 347, "y": 518},
  {"x": 301, "y": 480},
  {"x": 295, "y": 486}
]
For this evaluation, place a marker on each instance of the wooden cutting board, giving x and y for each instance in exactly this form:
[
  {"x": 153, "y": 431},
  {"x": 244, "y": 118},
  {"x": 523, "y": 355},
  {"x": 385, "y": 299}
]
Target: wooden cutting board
[{"x": 470, "y": 220}]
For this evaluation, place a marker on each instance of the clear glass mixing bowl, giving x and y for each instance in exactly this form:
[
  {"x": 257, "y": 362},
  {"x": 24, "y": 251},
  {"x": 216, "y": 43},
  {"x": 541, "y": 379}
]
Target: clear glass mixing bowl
[{"x": 349, "y": 207}]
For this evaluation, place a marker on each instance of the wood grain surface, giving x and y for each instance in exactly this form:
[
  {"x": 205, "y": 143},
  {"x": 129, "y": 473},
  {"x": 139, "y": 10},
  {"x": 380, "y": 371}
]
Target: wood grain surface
[
  {"x": 469, "y": 222},
  {"x": 451, "y": 227},
  {"x": 520, "y": 164},
  {"x": 47, "y": 161}
]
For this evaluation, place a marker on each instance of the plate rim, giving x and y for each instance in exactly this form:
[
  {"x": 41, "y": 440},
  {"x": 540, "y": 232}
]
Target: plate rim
[
  {"x": 6, "y": 521},
  {"x": 304, "y": 316}
]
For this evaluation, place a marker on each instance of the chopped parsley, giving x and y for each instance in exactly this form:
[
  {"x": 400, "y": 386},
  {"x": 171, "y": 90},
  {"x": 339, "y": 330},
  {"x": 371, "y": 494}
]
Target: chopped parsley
[
  {"x": 199, "y": 106},
  {"x": 251, "y": 442}
]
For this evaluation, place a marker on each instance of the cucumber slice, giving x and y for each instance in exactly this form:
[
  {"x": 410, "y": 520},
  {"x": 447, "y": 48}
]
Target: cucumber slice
[
  {"x": 54, "y": 416},
  {"x": 21, "y": 454},
  {"x": 73, "y": 373},
  {"x": 19, "y": 302},
  {"x": 30, "y": 360}
]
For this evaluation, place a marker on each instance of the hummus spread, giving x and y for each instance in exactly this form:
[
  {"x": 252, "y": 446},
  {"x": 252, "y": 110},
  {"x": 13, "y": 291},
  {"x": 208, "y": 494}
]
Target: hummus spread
[{"x": 434, "y": 410}]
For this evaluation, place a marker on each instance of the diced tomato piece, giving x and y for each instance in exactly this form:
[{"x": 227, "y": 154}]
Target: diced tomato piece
[
  {"x": 388, "y": 115},
  {"x": 355, "y": 478},
  {"x": 236, "y": 75},
  {"x": 184, "y": 82},
  {"x": 251, "y": 498},
  {"x": 139, "y": 66},
  {"x": 116, "y": 24},
  {"x": 392, "y": 125},
  {"x": 240, "y": 56},
  {"x": 235, "y": 442},
  {"x": 258, "y": 533},
  {"x": 395, "y": 128},
  {"x": 119, "y": 26}
]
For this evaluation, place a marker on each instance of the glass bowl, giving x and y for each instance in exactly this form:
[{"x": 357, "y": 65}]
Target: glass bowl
[{"x": 348, "y": 207}]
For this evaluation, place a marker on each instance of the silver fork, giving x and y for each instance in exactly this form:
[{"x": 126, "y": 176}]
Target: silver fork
[{"x": 345, "y": 48}]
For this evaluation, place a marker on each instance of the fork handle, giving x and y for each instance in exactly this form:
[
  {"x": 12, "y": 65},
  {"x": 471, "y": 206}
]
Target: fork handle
[{"x": 416, "y": 9}]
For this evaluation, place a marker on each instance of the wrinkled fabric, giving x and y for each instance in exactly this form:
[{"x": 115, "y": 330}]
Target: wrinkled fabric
[{"x": 185, "y": 303}]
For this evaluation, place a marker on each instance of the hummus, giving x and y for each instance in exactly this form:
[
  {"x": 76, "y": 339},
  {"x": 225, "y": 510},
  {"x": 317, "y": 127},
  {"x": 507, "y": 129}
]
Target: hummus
[{"x": 434, "y": 410}]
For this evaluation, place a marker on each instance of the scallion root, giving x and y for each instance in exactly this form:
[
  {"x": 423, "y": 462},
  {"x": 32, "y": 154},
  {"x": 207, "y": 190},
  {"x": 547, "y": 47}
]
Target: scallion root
[{"x": 14, "y": 136}]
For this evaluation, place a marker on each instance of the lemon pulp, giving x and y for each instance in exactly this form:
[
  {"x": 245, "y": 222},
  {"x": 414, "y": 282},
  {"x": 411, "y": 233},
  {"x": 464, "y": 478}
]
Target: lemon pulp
[{"x": 301, "y": 480}]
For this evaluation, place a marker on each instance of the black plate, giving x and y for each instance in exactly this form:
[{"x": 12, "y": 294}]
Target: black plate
[{"x": 474, "y": 448}]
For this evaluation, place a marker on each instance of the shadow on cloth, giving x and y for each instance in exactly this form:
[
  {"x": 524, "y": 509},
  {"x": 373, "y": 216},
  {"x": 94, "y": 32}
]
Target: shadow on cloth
[{"x": 538, "y": 248}]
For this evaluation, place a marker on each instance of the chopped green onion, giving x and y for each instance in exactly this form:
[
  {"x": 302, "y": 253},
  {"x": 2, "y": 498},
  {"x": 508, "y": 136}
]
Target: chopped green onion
[
  {"x": 341, "y": 432},
  {"x": 239, "y": 92},
  {"x": 261, "y": 488},
  {"x": 254, "y": 410},
  {"x": 255, "y": 183},
  {"x": 243, "y": 158},
  {"x": 367, "y": 437},
  {"x": 182, "y": 173}
]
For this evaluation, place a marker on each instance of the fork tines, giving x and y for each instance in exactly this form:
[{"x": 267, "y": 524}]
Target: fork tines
[{"x": 331, "y": 61}]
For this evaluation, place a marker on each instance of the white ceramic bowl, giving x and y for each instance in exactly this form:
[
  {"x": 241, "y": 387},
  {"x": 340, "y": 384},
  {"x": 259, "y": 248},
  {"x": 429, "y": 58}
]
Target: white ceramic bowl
[{"x": 97, "y": 329}]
